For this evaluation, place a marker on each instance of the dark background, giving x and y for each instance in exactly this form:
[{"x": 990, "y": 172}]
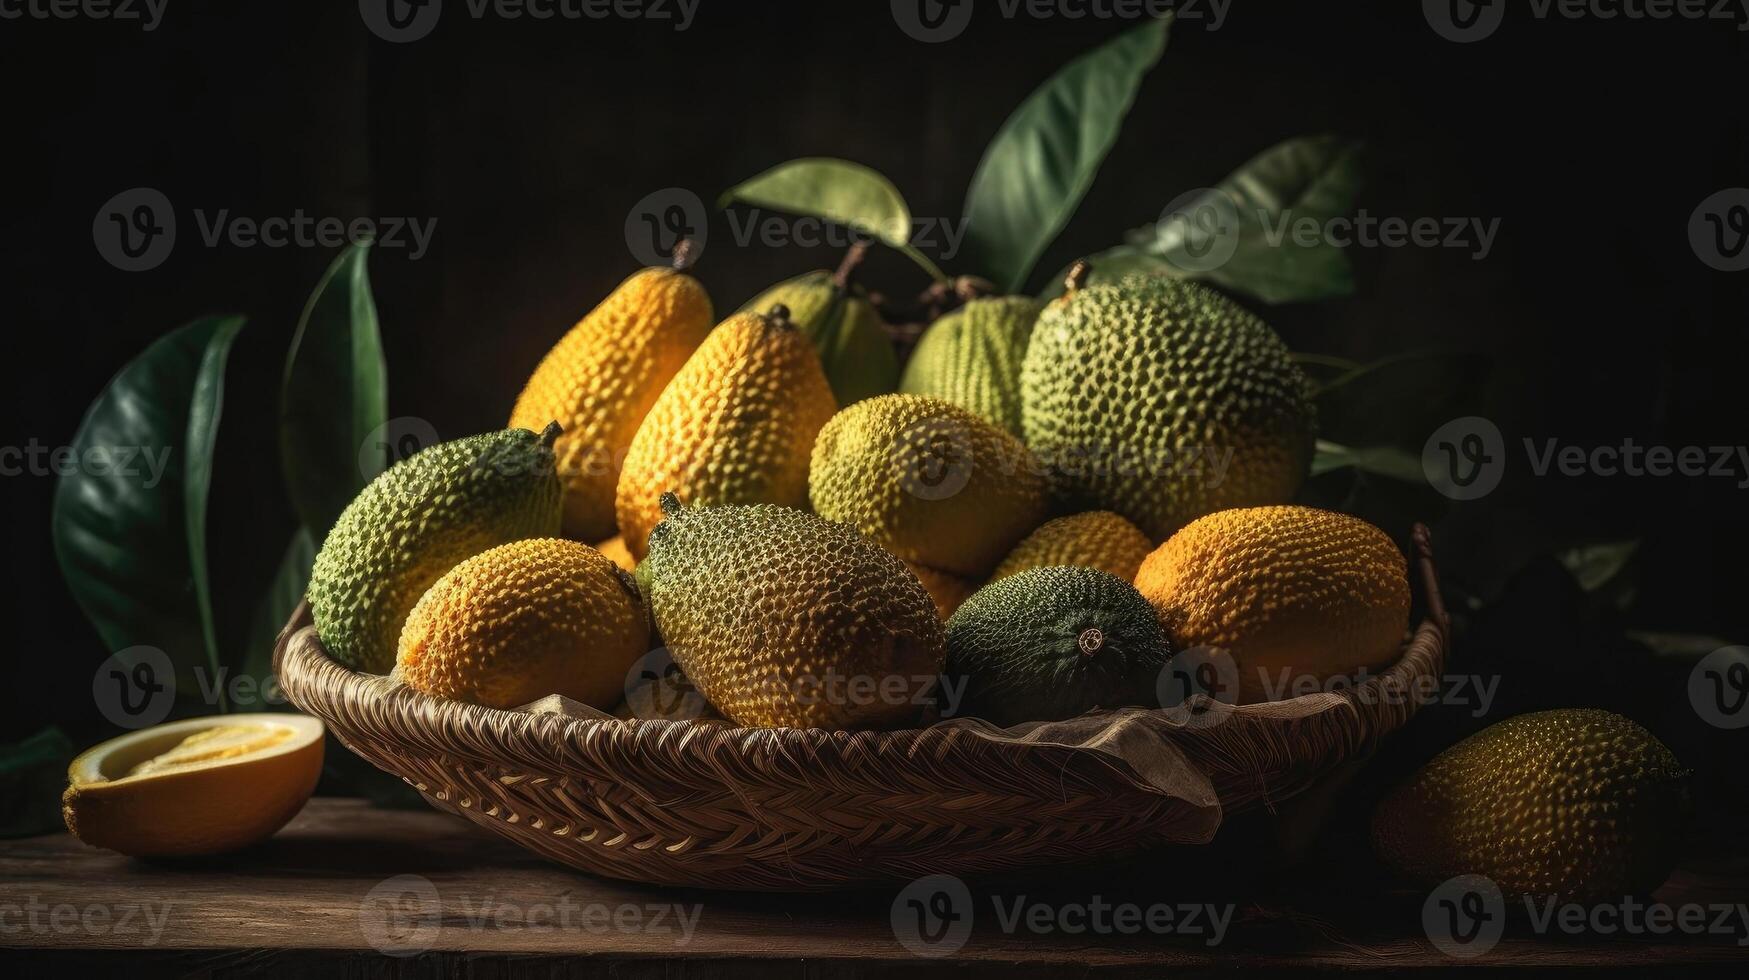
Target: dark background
[{"x": 529, "y": 141}]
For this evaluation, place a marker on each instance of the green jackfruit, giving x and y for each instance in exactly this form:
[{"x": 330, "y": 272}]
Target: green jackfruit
[
  {"x": 1163, "y": 400},
  {"x": 782, "y": 619},
  {"x": 972, "y": 357},
  {"x": 424, "y": 516},
  {"x": 1579, "y": 805},
  {"x": 845, "y": 330},
  {"x": 1052, "y": 643}
]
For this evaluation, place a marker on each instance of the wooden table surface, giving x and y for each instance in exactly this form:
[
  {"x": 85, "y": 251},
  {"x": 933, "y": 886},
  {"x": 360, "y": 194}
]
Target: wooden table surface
[{"x": 345, "y": 882}]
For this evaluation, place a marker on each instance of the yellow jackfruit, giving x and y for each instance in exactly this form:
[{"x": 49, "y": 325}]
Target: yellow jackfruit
[
  {"x": 782, "y": 619},
  {"x": 1097, "y": 539},
  {"x": 525, "y": 620},
  {"x": 1296, "y": 595},
  {"x": 1577, "y": 805},
  {"x": 603, "y": 376},
  {"x": 946, "y": 590},
  {"x": 735, "y": 426},
  {"x": 927, "y": 480},
  {"x": 614, "y": 550},
  {"x": 846, "y": 331}
]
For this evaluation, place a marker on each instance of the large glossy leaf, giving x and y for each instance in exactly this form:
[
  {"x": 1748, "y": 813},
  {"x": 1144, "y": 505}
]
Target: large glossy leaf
[
  {"x": 1401, "y": 400},
  {"x": 335, "y": 394},
  {"x": 1391, "y": 461},
  {"x": 1044, "y": 158},
  {"x": 129, "y": 522},
  {"x": 275, "y": 607},
  {"x": 1264, "y": 230},
  {"x": 839, "y": 191}
]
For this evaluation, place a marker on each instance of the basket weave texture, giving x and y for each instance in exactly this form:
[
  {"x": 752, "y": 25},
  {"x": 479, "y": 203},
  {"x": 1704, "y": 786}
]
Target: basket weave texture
[{"x": 714, "y": 805}]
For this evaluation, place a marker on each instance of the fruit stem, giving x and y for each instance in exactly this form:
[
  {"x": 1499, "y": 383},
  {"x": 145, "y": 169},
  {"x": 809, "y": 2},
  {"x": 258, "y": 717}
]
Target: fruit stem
[
  {"x": 1078, "y": 275},
  {"x": 670, "y": 503},
  {"x": 550, "y": 434},
  {"x": 684, "y": 253},
  {"x": 1091, "y": 641},
  {"x": 847, "y": 267}
]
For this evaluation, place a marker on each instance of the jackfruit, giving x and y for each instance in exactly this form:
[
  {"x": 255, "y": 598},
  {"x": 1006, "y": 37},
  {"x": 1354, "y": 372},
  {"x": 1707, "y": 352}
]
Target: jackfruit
[
  {"x": 603, "y": 376},
  {"x": 1163, "y": 400},
  {"x": 1295, "y": 595},
  {"x": 1097, "y": 539},
  {"x": 945, "y": 590},
  {"x": 782, "y": 619},
  {"x": 844, "y": 328},
  {"x": 614, "y": 550},
  {"x": 524, "y": 620},
  {"x": 419, "y": 519},
  {"x": 927, "y": 480},
  {"x": 972, "y": 357},
  {"x": 735, "y": 426},
  {"x": 1052, "y": 643},
  {"x": 1578, "y": 805}
]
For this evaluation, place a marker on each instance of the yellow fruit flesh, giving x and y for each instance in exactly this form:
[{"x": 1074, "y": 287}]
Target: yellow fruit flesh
[
  {"x": 1296, "y": 595},
  {"x": 601, "y": 379},
  {"x": 522, "y": 621},
  {"x": 1097, "y": 539},
  {"x": 735, "y": 426},
  {"x": 195, "y": 787}
]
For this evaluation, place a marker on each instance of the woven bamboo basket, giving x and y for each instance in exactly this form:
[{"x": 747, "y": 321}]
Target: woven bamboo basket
[{"x": 713, "y": 805}]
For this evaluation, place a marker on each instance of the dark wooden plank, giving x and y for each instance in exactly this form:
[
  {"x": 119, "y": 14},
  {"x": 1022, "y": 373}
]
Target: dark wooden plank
[{"x": 305, "y": 900}]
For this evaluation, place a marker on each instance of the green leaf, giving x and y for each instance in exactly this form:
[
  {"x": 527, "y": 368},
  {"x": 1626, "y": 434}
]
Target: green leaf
[
  {"x": 1401, "y": 400},
  {"x": 1244, "y": 233},
  {"x": 335, "y": 394},
  {"x": 1596, "y": 565},
  {"x": 275, "y": 607},
  {"x": 1043, "y": 160},
  {"x": 1383, "y": 460},
  {"x": 839, "y": 191},
  {"x": 32, "y": 775},
  {"x": 129, "y": 522}
]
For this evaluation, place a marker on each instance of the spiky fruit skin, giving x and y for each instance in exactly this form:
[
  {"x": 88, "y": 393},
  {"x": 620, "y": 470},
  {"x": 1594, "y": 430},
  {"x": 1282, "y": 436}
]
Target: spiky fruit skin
[
  {"x": 945, "y": 590},
  {"x": 782, "y": 619},
  {"x": 524, "y": 620},
  {"x": 614, "y": 550},
  {"x": 845, "y": 330},
  {"x": 419, "y": 519},
  {"x": 1096, "y": 539},
  {"x": 1294, "y": 594},
  {"x": 602, "y": 377},
  {"x": 927, "y": 480},
  {"x": 735, "y": 426},
  {"x": 972, "y": 357},
  {"x": 1579, "y": 805},
  {"x": 1163, "y": 400},
  {"x": 1052, "y": 643}
]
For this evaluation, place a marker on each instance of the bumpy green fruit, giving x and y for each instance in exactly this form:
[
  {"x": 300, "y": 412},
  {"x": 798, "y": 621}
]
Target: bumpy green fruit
[
  {"x": 424, "y": 516},
  {"x": 1163, "y": 400},
  {"x": 1052, "y": 643},
  {"x": 972, "y": 357},
  {"x": 845, "y": 330}
]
